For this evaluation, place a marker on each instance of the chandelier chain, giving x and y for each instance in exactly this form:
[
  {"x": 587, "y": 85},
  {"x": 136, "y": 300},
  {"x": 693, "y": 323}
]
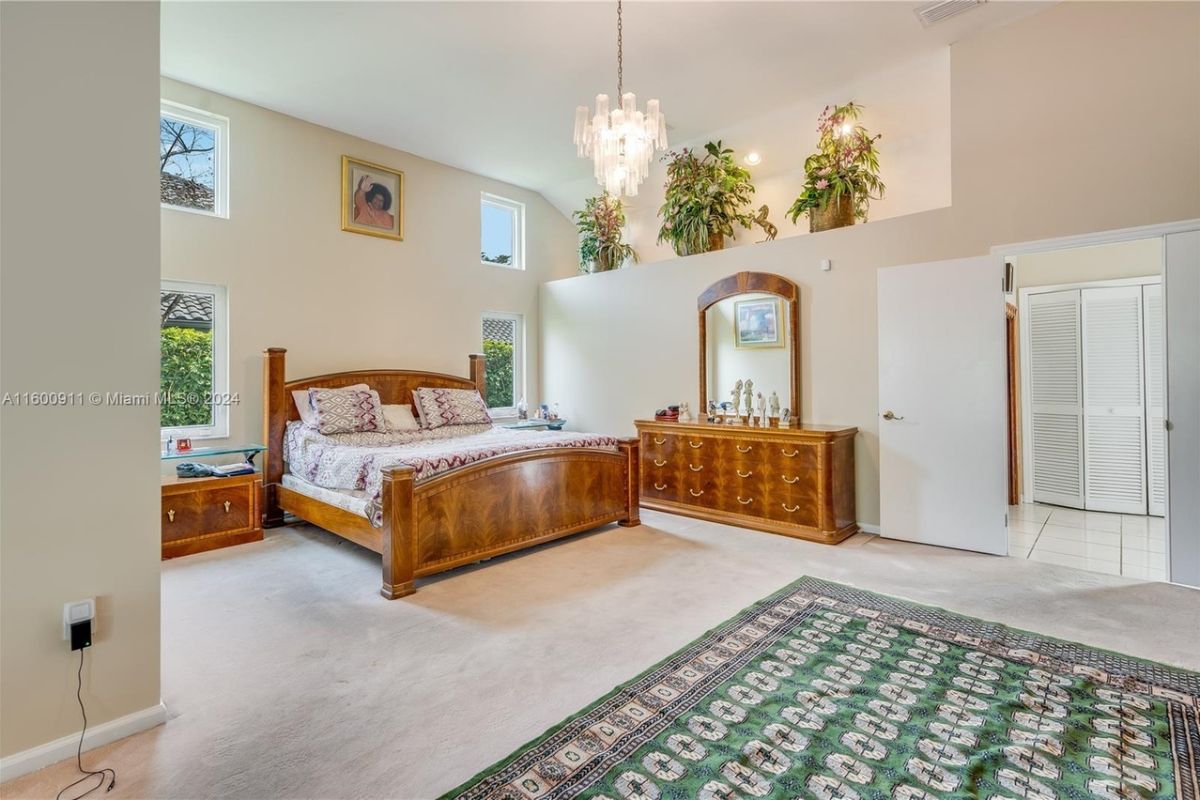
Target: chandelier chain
[{"x": 620, "y": 54}]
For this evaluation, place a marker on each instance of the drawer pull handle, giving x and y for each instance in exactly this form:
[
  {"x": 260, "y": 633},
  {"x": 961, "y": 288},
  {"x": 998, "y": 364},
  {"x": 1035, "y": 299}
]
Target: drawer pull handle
[
  {"x": 660, "y": 441},
  {"x": 790, "y": 509},
  {"x": 660, "y": 486},
  {"x": 745, "y": 449},
  {"x": 694, "y": 493},
  {"x": 170, "y": 515},
  {"x": 793, "y": 480},
  {"x": 658, "y": 463},
  {"x": 693, "y": 444},
  {"x": 745, "y": 474},
  {"x": 695, "y": 469},
  {"x": 792, "y": 454},
  {"x": 745, "y": 502},
  {"x": 226, "y": 506}
]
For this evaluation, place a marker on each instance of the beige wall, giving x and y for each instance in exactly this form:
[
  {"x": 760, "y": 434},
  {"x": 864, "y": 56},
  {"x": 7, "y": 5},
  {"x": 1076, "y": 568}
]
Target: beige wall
[
  {"x": 79, "y": 512},
  {"x": 1104, "y": 262},
  {"x": 1050, "y": 117},
  {"x": 339, "y": 300}
]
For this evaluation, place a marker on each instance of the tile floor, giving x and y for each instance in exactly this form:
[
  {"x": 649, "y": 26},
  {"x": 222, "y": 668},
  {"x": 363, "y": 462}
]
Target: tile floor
[{"x": 1116, "y": 544}]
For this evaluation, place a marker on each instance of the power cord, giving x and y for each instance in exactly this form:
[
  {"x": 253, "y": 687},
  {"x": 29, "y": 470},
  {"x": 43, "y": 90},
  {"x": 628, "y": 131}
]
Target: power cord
[{"x": 87, "y": 773}]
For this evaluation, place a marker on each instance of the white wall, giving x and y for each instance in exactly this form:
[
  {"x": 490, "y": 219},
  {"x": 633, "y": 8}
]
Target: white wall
[
  {"x": 339, "y": 300},
  {"x": 1047, "y": 114},
  {"x": 80, "y": 505}
]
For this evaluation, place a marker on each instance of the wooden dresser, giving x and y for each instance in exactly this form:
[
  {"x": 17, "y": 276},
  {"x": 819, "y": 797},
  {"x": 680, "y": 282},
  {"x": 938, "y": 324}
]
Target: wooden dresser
[
  {"x": 201, "y": 514},
  {"x": 798, "y": 481}
]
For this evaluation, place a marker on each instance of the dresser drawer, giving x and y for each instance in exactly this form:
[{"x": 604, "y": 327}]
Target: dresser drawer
[{"x": 215, "y": 510}]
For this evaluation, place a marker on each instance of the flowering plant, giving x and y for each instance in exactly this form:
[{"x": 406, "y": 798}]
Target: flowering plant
[
  {"x": 846, "y": 164},
  {"x": 600, "y": 225}
]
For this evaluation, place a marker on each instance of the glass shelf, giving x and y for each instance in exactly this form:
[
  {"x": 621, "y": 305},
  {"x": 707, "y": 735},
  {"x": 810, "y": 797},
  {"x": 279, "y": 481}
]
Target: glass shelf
[{"x": 247, "y": 451}]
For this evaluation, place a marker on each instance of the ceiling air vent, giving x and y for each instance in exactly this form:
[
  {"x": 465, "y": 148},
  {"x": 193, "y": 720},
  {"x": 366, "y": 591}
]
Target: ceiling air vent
[{"x": 935, "y": 12}]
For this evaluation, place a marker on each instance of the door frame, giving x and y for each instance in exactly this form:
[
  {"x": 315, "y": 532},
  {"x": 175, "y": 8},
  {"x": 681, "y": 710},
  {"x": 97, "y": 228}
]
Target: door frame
[{"x": 1023, "y": 295}]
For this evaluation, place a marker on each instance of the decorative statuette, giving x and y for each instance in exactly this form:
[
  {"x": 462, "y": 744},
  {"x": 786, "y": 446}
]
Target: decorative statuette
[
  {"x": 685, "y": 412},
  {"x": 736, "y": 397},
  {"x": 762, "y": 409},
  {"x": 774, "y": 404},
  {"x": 748, "y": 394},
  {"x": 785, "y": 417}
]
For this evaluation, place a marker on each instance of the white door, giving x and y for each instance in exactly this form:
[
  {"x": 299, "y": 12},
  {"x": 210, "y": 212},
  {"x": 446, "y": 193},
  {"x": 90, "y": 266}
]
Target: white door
[
  {"x": 1156, "y": 434},
  {"x": 943, "y": 404},
  {"x": 1055, "y": 397},
  {"x": 1114, "y": 423}
]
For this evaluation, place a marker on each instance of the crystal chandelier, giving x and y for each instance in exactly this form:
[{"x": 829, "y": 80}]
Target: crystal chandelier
[{"x": 623, "y": 141}]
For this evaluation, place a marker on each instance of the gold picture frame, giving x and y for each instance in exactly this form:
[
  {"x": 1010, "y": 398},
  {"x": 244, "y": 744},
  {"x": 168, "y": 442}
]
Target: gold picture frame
[
  {"x": 372, "y": 199},
  {"x": 756, "y": 324}
]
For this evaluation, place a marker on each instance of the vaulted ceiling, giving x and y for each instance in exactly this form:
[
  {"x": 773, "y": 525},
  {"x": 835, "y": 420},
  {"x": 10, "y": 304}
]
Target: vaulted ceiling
[{"x": 491, "y": 87}]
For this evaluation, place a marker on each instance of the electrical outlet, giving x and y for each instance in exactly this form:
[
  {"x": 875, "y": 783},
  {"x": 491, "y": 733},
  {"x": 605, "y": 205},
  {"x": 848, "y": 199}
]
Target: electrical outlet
[
  {"x": 79, "y": 611},
  {"x": 826, "y": 265}
]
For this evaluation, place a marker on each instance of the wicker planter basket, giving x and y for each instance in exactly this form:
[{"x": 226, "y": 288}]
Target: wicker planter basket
[{"x": 837, "y": 214}]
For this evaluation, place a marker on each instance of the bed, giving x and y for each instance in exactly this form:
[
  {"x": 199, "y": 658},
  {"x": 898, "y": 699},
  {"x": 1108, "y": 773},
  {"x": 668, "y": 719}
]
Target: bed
[{"x": 430, "y": 513}]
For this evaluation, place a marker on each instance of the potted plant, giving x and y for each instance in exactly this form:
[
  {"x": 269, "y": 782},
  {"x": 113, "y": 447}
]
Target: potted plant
[
  {"x": 842, "y": 177},
  {"x": 601, "y": 226},
  {"x": 705, "y": 197}
]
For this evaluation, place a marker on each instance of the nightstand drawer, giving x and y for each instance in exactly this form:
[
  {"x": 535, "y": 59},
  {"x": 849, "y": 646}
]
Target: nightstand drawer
[{"x": 212, "y": 512}]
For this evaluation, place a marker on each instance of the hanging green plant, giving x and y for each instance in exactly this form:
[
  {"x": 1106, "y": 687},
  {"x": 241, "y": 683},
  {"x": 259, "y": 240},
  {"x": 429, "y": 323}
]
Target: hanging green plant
[
  {"x": 842, "y": 177},
  {"x": 705, "y": 197},
  {"x": 601, "y": 226}
]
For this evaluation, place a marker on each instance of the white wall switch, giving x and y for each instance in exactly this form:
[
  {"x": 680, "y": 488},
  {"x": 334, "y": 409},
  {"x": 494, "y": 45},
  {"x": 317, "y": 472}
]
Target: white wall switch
[
  {"x": 78, "y": 611},
  {"x": 826, "y": 265}
]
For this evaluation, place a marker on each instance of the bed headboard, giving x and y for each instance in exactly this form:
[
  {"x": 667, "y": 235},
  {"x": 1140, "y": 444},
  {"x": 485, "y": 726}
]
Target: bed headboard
[{"x": 395, "y": 386}]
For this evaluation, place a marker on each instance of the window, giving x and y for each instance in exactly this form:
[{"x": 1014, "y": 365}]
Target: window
[
  {"x": 502, "y": 232},
  {"x": 194, "y": 372},
  {"x": 504, "y": 359},
  {"x": 193, "y": 160}
]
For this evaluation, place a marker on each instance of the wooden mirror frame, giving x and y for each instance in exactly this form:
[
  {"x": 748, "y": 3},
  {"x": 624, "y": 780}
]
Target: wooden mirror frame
[{"x": 745, "y": 283}]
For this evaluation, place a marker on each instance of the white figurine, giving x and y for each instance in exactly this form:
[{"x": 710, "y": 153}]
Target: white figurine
[
  {"x": 785, "y": 416},
  {"x": 762, "y": 409},
  {"x": 736, "y": 396},
  {"x": 748, "y": 393},
  {"x": 774, "y": 404},
  {"x": 685, "y": 412}
]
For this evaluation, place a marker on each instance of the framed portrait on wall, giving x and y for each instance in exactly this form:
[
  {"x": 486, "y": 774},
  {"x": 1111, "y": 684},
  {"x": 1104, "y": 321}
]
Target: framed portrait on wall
[
  {"x": 372, "y": 199},
  {"x": 756, "y": 324}
]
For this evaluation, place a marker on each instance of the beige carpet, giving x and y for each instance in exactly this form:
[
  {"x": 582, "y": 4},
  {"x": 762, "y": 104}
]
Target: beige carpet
[{"x": 286, "y": 675}]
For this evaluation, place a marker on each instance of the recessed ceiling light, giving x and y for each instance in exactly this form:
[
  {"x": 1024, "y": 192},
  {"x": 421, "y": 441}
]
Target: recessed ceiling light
[{"x": 753, "y": 158}]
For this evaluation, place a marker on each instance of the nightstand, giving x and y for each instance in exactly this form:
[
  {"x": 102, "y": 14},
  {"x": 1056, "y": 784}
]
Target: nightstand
[{"x": 200, "y": 514}]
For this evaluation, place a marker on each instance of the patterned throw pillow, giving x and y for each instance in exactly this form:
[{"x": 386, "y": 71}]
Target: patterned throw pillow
[
  {"x": 348, "y": 411},
  {"x": 438, "y": 407}
]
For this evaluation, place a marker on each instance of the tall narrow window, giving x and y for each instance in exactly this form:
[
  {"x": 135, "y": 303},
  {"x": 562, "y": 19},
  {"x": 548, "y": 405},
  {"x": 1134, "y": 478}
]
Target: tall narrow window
[
  {"x": 194, "y": 367},
  {"x": 501, "y": 231},
  {"x": 503, "y": 349},
  {"x": 193, "y": 160}
]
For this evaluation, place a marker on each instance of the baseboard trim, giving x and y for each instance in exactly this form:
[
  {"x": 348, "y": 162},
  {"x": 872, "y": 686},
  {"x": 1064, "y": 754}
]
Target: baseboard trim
[
  {"x": 44, "y": 755},
  {"x": 867, "y": 527}
]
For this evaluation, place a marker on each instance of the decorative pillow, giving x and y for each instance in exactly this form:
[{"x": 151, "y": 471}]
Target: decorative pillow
[
  {"x": 400, "y": 418},
  {"x": 439, "y": 407},
  {"x": 348, "y": 411},
  {"x": 307, "y": 415}
]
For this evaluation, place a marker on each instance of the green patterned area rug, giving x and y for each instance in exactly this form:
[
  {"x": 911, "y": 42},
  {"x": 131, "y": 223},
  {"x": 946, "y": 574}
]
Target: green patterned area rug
[{"x": 824, "y": 691}]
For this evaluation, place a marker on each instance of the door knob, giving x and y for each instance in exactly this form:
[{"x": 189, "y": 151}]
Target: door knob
[{"x": 888, "y": 415}]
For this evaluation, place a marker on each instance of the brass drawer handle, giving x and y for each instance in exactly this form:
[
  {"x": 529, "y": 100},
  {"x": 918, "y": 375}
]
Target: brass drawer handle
[
  {"x": 658, "y": 463},
  {"x": 747, "y": 449},
  {"x": 226, "y": 506},
  {"x": 793, "y": 480},
  {"x": 659, "y": 441},
  {"x": 792, "y": 454},
  {"x": 170, "y": 515},
  {"x": 693, "y": 444},
  {"x": 694, "y": 493},
  {"x": 745, "y": 502},
  {"x": 660, "y": 486},
  {"x": 695, "y": 469},
  {"x": 790, "y": 509},
  {"x": 745, "y": 474}
]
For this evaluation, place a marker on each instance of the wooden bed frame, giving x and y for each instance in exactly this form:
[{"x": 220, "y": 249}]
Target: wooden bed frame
[{"x": 494, "y": 506}]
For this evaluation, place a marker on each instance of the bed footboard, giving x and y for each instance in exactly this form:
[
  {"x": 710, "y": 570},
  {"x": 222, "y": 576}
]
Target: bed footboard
[{"x": 500, "y": 505}]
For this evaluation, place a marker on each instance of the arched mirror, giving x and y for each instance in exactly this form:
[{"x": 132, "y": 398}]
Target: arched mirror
[{"x": 750, "y": 329}]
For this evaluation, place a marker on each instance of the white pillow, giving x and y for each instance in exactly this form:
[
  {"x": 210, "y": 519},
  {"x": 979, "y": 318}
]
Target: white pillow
[
  {"x": 400, "y": 418},
  {"x": 308, "y": 414}
]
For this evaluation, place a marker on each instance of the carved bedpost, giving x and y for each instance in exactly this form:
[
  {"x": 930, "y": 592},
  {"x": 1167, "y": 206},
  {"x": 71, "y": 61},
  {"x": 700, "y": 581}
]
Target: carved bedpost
[
  {"x": 275, "y": 401},
  {"x": 633, "y": 512},
  {"x": 399, "y": 532},
  {"x": 478, "y": 369}
]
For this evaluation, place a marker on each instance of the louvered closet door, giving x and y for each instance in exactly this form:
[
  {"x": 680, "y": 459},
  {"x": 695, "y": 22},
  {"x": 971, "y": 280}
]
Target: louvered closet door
[
  {"x": 1114, "y": 422},
  {"x": 1056, "y": 424},
  {"x": 1156, "y": 449}
]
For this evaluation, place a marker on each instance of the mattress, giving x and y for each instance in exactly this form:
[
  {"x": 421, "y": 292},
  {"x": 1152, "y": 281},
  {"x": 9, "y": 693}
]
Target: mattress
[{"x": 353, "y": 500}]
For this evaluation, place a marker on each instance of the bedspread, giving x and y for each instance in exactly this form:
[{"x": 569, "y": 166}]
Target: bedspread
[{"x": 356, "y": 460}]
